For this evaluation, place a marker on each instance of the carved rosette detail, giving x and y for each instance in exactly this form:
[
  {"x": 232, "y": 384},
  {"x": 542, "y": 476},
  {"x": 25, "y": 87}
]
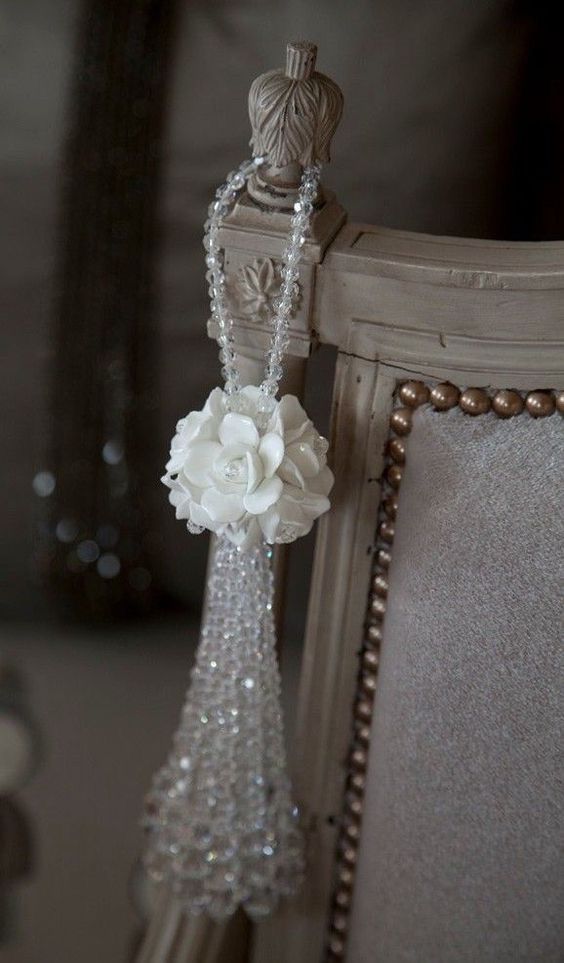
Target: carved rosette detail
[{"x": 254, "y": 288}]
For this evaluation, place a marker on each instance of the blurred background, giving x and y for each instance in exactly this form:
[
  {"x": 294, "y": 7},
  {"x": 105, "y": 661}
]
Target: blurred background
[{"x": 118, "y": 121}]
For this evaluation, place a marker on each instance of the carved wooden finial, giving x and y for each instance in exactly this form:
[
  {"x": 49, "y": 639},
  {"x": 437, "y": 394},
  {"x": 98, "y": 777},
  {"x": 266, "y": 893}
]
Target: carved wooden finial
[
  {"x": 300, "y": 59},
  {"x": 294, "y": 114}
]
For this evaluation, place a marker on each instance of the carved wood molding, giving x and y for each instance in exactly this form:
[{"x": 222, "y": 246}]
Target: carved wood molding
[
  {"x": 254, "y": 239},
  {"x": 294, "y": 114},
  {"x": 444, "y": 306}
]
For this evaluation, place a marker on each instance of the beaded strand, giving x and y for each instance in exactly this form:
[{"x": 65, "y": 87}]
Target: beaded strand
[{"x": 284, "y": 304}]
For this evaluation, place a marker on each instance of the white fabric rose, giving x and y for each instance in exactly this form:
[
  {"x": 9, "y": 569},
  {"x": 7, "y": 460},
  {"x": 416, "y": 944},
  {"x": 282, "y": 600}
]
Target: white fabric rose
[{"x": 233, "y": 477}]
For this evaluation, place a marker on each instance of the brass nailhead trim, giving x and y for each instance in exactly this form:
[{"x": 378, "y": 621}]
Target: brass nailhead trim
[
  {"x": 474, "y": 401},
  {"x": 396, "y": 450},
  {"x": 393, "y": 476},
  {"x": 343, "y": 899},
  {"x": 505, "y": 403},
  {"x": 413, "y": 393},
  {"x": 540, "y": 403},
  {"x": 383, "y": 558},
  {"x": 444, "y": 396},
  {"x": 401, "y": 420}
]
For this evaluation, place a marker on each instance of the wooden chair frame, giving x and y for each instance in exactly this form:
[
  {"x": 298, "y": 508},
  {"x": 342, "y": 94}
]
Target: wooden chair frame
[{"x": 396, "y": 305}]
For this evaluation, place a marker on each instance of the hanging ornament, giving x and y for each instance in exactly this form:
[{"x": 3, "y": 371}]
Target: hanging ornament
[
  {"x": 223, "y": 830},
  {"x": 247, "y": 477}
]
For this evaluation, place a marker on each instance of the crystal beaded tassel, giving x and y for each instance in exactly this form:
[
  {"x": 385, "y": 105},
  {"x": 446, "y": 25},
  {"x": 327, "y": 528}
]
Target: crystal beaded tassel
[{"x": 221, "y": 824}]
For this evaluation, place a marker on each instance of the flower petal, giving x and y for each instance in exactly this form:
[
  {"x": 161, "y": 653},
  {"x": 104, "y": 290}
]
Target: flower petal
[
  {"x": 290, "y": 473},
  {"x": 305, "y": 504},
  {"x": 293, "y": 418},
  {"x": 176, "y": 496},
  {"x": 267, "y": 493},
  {"x": 182, "y": 484},
  {"x": 215, "y": 405},
  {"x": 231, "y": 457},
  {"x": 244, "y": 536},
  {"x": 291, "y": 411},
  {"x": 176, "y": 461},
  {"x": 181, "y": 502},
  {"x": 271, "y": 451},
  {"x": 168, "y": 481},
  {"x": 221, "y": 507},
  {"x": 304, "y": 459},
  {"x": 291, "y": 512},
  {"x": 199, "y": 461},
  {"x": 255, "y": 470},
  {"x": 200, "y": 516},
  {"x": 238, "y": 429},
  {"x": 323, "y": 482},
  {"x": 198, "y": 425},
  {"x": 269, "y": 522},
  {"x": 230, "y": 453},
  {"x": 315, "y": 505},
  {"x": 294, "y": 522}
]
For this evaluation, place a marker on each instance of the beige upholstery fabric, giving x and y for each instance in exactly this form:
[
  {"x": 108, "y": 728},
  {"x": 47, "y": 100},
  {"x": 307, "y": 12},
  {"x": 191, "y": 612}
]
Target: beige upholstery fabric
[{"x": 463, "y": 821}]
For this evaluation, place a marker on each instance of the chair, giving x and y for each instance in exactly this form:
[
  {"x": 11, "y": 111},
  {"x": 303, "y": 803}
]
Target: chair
[{"x": 449, "y": 351}]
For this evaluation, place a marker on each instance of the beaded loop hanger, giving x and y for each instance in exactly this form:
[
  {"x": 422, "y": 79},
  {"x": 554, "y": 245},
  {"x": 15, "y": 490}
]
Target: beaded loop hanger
[{"x": 284, "y": 304}]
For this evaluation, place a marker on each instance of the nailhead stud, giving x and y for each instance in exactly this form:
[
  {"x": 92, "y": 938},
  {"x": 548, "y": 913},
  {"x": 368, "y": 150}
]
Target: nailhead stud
[
  {"x": 413, "y": 394},
  {"x": 444, "y": 396},
  {"x": 540, "y": 403},
  {"x": 475, "y": 401}
]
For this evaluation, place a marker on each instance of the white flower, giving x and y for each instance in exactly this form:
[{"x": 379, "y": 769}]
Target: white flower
[{"x": 239, "y": 476}]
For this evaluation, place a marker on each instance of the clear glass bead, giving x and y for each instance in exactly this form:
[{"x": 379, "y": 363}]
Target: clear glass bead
[
  {"x": 320, "y": 445},
  {"x": 280, "y": 343},
  {"x": 269, "y": 386},
  {"x": 291, "y": 257},
  {"x": 289, "y": 273},
  {"x": 229, "y": 372},
  {"x": 285, "y": 304},
  {"x": 265, "y": 403},
  {"x": 227, "y": 356},
  {"x": 240, "y": 404},
  {"x": 193, "y": 528},
  {"x": 222, "y": 827},
  {"x": 273, "y": 371},
  {"x": 238, "y": 182}
]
